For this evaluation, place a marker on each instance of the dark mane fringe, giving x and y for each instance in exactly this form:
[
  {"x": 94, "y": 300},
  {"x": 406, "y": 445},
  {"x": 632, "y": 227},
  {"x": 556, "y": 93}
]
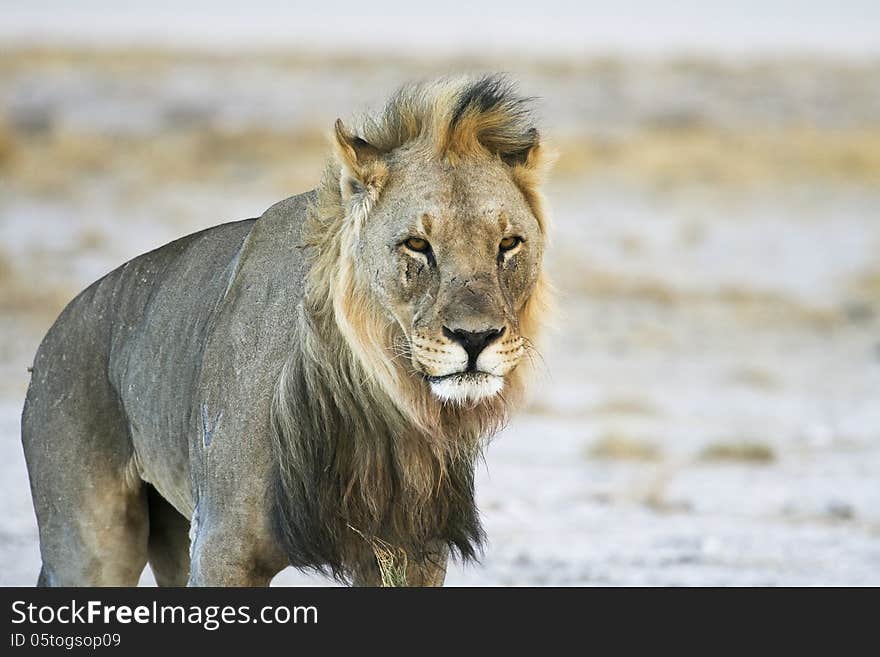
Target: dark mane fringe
[
  {"x": 341, "y": 475},
  {"x": 456, "y": 116}
]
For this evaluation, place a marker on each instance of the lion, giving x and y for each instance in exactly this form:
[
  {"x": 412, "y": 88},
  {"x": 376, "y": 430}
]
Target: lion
[{"x": 311, "y": 388}]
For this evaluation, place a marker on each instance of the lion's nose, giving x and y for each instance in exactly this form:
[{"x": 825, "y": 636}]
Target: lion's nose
[{"x": 473, "y": 341}]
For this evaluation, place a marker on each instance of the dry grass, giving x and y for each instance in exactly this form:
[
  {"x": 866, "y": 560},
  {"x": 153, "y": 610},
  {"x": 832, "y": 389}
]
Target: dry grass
[
  {"x": 755, "y": 377},
  {"x": 673, "y": 147},
  {"x": 574, "y": 276},
  {"x": 867, "y": 286},
  {"x": 91, "y": 239},
  {"x": 651, "y": 489},
  {"x": 717, "y": 156},
  {"x": 738, "y": 450},
  {"x": 7, "y": 144},
  {"x": 620, "y": 447},
  {"x": 55, "y": 163},
  {"x": 391, "y": 560},
  {"x": 145, "y": 60},
  {"x": 540, "y": 407},
  {"x": 625, "y": 406},
  {"x": 28, "y": 296},
  {"x": 392, "y": 564},
  {"x": 51, "y": 163},
  {"x": 757, "y": 307}
]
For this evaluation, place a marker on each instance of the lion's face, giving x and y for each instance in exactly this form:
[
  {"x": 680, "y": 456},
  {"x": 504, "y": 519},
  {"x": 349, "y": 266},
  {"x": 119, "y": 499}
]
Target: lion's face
[{"x": 453, "y": 254}]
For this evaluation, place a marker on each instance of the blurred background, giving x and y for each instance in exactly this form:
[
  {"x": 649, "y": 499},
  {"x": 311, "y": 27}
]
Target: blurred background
[{"x": 709, "y": 409}]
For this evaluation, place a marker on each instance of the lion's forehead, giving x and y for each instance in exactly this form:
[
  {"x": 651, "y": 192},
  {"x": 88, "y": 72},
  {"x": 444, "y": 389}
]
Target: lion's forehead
[
  {"x": 473, "y": 192},
  {"x": 435, "y": 219},
  {"x": 486, "y": 214}
]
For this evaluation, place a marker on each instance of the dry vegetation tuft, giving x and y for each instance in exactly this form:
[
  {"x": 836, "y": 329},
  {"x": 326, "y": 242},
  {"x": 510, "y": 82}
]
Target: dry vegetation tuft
[
  {"x": 19, "y": 295},
  {"x": 620, "y": 447},
  {"x": 755, "y": 377},
  {"x": 391, "y": 560},
  {"x": 765, "y": 308},
  {"x": 738, "y": 450},
  {"x": 54, "y": 164},
  {"x": 867, "y": 286},
  {"x": 625, "y": 406},
  {"x": 711, "y": 155},
  {"x": 7, "y": 144}
]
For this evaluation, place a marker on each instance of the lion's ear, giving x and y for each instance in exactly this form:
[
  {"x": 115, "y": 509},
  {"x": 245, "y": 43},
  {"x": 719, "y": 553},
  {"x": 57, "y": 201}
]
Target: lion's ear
[
  {"x": 523, "y": 151},
  {"x": 363, "y": 170}
]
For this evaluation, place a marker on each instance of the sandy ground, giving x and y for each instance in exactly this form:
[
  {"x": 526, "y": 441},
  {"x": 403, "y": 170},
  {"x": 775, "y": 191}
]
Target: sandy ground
[{"x": 707, "y": 414}]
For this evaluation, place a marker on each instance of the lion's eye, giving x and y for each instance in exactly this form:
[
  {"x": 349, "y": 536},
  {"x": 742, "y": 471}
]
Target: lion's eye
[
  {"x": 417, "y": 244},
  {"x": 509, "y": 243}
]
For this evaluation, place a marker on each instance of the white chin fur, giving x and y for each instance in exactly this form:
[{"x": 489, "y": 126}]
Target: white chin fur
[{"x": 467, "y": 387}]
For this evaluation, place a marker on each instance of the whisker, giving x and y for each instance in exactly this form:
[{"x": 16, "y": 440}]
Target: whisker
[{"x": 531, "y": 351}]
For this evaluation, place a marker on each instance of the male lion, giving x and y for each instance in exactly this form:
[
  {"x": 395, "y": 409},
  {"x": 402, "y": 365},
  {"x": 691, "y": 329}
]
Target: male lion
[{"x": 310, "y": 388}]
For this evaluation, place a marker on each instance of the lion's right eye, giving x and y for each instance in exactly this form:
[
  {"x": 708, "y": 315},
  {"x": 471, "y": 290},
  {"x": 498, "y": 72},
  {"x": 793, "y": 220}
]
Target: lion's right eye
[
  {"x": 509, "y": 243},
  {"x": 417, "y": 244}
]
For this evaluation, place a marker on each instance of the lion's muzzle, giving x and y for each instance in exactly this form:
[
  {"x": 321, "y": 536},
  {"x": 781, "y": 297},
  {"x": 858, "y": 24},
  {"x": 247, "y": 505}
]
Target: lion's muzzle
[{"x": 464, "y": 365}]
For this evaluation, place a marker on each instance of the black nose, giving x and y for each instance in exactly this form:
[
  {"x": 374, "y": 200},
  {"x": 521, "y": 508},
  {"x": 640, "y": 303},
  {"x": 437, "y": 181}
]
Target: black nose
[{"x": 473, "y": 341}]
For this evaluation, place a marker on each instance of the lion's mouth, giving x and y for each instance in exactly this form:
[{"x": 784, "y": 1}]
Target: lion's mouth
[{"x": 465, "y": 386}]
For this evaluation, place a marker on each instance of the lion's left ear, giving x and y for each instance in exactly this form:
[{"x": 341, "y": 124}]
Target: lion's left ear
[
  {"x": 527, "y": 151},
  {"x": 514, "y": 150},
  {"x": 363, "y": 171}
]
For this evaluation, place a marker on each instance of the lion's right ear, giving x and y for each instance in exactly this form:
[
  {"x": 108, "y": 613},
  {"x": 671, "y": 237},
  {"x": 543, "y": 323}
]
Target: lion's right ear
[{"x": 363, "y": 171}]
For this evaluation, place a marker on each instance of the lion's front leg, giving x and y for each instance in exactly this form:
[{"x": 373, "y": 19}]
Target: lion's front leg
[
  {"x": 431, "y": 572},
  {"x": 233, "y": 553}
]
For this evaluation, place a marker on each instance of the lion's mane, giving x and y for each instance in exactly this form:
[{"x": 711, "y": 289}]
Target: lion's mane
[{"x": 362, "y": 448}]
